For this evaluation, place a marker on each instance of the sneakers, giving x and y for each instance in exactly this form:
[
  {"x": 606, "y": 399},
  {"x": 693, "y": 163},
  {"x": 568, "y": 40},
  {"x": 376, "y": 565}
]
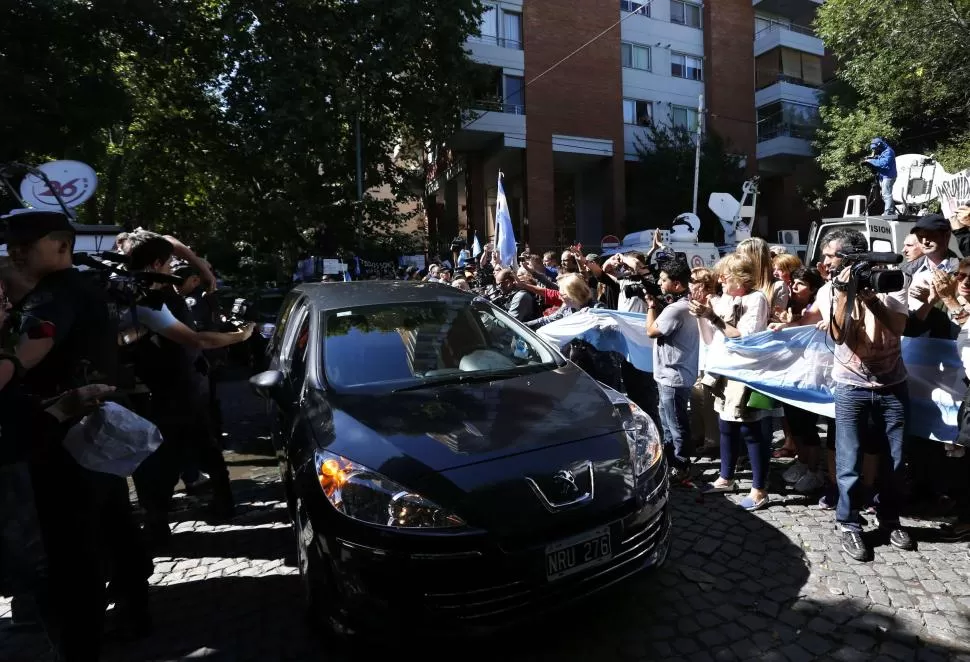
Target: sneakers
[
  {"x": 900, "y": 539},
  {"x": 794, "y": 472},
  {"x": 829, "y": 500},
  {"x": 811, "y": 481},
  {"x": 855, "y": 546},
  {"x": 955, "y": 532}
]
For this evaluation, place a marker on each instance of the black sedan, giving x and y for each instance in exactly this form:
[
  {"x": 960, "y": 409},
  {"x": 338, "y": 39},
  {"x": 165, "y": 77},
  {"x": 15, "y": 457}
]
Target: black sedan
[{"x": 446, "y": 468}]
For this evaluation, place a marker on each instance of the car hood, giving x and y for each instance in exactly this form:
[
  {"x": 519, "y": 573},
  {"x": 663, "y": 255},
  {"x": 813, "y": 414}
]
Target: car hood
[{"x": 450, "y": 426}]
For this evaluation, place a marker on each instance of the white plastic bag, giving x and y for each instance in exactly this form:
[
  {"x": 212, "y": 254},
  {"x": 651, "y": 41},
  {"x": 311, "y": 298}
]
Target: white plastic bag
[{"x": 112, "y": 440}]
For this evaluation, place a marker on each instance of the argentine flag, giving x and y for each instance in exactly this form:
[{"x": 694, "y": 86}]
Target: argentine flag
[
  {"x": 476, "y": 247},
  {"x": 504, "y": 237}
]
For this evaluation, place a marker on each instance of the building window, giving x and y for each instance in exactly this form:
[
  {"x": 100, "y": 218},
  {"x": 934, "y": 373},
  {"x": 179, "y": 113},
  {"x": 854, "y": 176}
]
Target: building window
[
  {"x": 766, "y": 23},
  {"x": 789, "y": 66},
  {"x": 514, "y": 95},
  {"x": 686, "y": 66},
  {"x": 488, "y": 24},
  {"x": 639, "y": 113},
  {"x": 500, "y": 28},
  {"x": 635, "y": 57},
  {"x": 635, "y": 6},
  {"x": 684, "y": 118},
  {"x": 513, "y": 30},
  {"x": 685, "y": 13}
]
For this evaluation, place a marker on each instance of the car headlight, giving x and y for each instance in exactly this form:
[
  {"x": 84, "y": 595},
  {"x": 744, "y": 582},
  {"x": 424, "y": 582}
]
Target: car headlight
[
  {"x": 645, "y": 445},
  {"x": 365, "y": 495}
]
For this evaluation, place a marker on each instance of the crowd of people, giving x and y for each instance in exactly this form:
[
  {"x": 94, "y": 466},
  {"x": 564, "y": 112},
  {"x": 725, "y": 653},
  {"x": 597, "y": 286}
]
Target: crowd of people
[{"x": 868, "y": 462}]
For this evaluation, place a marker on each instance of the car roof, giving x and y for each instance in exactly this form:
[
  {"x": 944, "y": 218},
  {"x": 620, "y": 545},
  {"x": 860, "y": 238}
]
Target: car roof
[{"x": 330, "y": 296}]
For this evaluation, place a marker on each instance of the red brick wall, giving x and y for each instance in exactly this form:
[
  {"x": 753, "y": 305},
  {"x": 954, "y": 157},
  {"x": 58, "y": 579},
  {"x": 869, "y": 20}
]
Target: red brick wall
[
  {"x": 729, "y": 74},
  {"x": 581, "y": 97}
]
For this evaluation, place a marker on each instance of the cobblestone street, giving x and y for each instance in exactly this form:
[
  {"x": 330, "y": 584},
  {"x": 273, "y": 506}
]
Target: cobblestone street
[{"x": 772, "y": 585}]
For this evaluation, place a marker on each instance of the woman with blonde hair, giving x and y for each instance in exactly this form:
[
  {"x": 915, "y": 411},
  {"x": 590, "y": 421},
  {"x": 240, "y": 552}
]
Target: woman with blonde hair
[
  {"x": 740, "y": 311},
  {"x": 775, "y": 291}
]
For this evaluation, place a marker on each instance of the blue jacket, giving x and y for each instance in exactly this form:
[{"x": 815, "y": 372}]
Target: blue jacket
[{"x": 885, "y": 162}]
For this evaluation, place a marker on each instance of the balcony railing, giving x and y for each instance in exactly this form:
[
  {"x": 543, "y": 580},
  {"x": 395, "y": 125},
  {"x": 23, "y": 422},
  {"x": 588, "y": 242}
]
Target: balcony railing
[
  {"x": 800, "y": 29},
  {"x": 492, "y": 40},
  {"x": 786, "y": 130},
  {"x": 494, "y": 106},
  {"x": 765, "y": 79}
]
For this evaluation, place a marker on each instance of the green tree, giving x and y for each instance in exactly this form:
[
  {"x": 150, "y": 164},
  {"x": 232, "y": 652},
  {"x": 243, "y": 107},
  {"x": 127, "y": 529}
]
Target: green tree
[
  {"x": 664, "y": 186},
  {"x": 903, "y": 74}
]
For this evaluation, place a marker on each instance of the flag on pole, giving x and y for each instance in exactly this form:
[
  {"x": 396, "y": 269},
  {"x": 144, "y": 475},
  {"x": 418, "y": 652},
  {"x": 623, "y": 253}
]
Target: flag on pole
[
  {"x": 476, "y": 247},
  {"x": 504, "y": 236}
]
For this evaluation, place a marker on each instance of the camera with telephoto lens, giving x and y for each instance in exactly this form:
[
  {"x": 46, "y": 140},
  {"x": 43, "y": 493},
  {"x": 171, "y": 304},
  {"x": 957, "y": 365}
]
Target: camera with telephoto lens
[
  {"x": 869, "y": 272},
  {"x": 642, "y": 287}
]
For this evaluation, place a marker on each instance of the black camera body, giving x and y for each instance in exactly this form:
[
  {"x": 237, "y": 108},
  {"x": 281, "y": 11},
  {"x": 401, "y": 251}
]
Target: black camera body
[
  {"x": 867, "y": 277},
  {"x": 642, "y": 287}
]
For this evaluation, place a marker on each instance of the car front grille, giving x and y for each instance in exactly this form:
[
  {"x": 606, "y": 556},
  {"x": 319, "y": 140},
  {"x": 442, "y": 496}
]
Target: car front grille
[{"x": 524, "y": 591}]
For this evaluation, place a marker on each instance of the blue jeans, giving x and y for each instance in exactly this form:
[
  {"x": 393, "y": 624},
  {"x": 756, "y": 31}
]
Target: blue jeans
[
  {"x": 675, "y": 424},
  {"x": 887, "y": 409},
  {"x": 759, "y": 450},
  {"x": 886, "y": 190}
]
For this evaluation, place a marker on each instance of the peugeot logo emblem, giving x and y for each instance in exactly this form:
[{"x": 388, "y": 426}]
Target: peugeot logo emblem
[
  {"x": 564, "y": 492},
  {"x": 566, "y": 481}
]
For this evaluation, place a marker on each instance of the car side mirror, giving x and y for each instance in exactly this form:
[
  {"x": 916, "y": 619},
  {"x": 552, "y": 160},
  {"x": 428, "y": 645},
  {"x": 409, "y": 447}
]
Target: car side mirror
[{"x": 267, "y": 384}]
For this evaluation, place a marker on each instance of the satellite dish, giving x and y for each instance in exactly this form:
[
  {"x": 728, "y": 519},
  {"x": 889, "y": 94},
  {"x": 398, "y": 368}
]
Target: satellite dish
[
  {"x": 685, "y": 227},
  {"x": 916, "y": 178},
  {"x": 74, "y": 181},
  {"x": 724, "y": 206}
]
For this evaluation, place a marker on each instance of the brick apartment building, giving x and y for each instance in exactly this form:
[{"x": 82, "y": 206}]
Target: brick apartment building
[{"x": 566, "y": 140}]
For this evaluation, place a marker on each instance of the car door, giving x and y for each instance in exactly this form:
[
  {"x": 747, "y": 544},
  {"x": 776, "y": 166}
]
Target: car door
[{"x": 289, "y": 358}]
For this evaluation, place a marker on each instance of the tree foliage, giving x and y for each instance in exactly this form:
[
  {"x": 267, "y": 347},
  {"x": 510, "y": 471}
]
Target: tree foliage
[
  {"x": 232, "y": 123},
  {"x": 904, "y": 74},
  {"x": 665, "y": 178}
]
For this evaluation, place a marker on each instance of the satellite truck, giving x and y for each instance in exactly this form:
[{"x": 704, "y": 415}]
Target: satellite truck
[
  {"x": 736, "y": 218},
  {"x": 920, "y": 181}
]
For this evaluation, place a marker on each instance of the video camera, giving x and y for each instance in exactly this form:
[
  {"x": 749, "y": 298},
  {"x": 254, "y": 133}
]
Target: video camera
[
  {"x": 867, "y": 277},
  {"x": 641, "y": 287}
]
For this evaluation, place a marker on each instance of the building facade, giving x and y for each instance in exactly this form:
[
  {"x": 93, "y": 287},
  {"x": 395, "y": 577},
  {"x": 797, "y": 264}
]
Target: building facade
[{"x": 573, "y": 91}]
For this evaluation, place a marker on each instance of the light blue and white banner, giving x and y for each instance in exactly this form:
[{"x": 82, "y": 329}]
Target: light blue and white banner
[{"x": 792, "y": 366}]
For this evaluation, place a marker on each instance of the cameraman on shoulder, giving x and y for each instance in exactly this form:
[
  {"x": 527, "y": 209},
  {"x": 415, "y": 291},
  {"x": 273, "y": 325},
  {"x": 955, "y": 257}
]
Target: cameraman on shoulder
[
  {"x": 168, "y": 362},
  {"x": 69, "y": 340},
  {"x": 870, "y": 384}
]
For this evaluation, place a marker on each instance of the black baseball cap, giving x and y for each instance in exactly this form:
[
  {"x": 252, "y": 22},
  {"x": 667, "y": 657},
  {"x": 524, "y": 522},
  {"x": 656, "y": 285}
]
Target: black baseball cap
[
  {"x": 25, "y": 226},
  {"x": 932, "y": 223}
]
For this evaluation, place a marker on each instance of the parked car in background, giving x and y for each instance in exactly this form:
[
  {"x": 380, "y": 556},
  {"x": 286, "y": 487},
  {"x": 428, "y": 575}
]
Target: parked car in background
[{"x": 445, "y": 468}]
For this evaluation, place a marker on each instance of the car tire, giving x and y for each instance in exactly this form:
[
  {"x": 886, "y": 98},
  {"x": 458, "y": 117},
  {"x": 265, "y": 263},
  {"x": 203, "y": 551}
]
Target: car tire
[{"x": 321, "y": 600}]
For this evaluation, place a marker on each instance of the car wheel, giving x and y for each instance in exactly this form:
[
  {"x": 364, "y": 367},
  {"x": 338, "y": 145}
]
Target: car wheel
[{"x": 322, "y": 602}]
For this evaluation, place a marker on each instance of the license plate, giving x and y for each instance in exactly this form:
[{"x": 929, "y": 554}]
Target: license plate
[{"x": 579, "y": 553}]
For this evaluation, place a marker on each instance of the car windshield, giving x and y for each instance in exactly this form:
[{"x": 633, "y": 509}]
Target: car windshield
[{"x": 410, "y": 345}]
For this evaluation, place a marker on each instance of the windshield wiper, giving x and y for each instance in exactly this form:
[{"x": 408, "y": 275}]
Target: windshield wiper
[{"x": 473, "y": 377}]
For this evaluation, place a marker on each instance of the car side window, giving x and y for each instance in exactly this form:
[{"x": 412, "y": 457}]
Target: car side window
[{"x": 299, "y": 352}]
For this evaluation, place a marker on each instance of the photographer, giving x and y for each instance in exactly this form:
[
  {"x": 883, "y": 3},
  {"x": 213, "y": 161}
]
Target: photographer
[
  {"x": 68, "y": 340},
  {"x": 169, "y": 362},
  {"x": 882, "y": 160},
  {"x": 676, "y": 350},
  {"x": 870, "y": 384}
]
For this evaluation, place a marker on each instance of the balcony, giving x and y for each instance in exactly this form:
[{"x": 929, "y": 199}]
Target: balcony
[
  {"x": 796, "y": 10},
  {"x": 786, "y": 88},
  {"x": 796, "y": 37},
  {"x": 497, "y": 52},
  {"x": 781, "y": 144},
  {"x": 491, "y": 123}
]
